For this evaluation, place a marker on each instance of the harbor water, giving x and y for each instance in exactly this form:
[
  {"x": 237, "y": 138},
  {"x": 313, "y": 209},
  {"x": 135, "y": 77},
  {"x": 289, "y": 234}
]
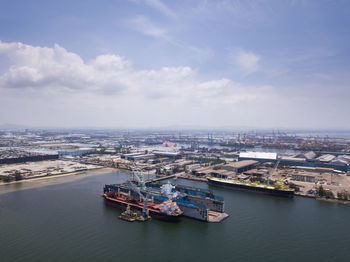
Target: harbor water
[{"x": 69, "y": 221}]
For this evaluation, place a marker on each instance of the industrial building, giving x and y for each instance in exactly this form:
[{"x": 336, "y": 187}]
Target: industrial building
[
  {"x": 326, "y": 158},
  {"x": 167, "y": 154},
  {"x": 240, "y": 166},
  {"x": 138, "y": 156},
  {"x": 259, "y": 156},
  {"x": 202, "y": 171},
  {"x": 221, "y": 173},
  {"x": 76, "y": 152},
  {"x": 323, "y": 161},
  {"x": 304, "y": 178}
]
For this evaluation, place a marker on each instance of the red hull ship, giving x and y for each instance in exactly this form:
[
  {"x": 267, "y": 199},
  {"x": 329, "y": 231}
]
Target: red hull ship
[{"x": 166, "y": 211}]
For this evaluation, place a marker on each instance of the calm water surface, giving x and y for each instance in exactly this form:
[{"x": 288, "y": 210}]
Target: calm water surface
[{"x": 69, "y": 222}]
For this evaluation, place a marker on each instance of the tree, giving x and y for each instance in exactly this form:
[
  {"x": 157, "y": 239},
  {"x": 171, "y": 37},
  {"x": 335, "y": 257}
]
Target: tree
[
  {"x": 321, "y": 191},
  {"x": 329, "y": 194},
  {"x": 339, "y": 195},
  {"x": 18, "y": 176},
  {"x": 8, "y": 179},
  {"x": 342, "y": 195}
]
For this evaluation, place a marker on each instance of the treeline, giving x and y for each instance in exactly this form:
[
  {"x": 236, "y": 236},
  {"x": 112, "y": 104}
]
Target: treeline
[
  {"x": 13, "y": 177},
  {"x": 343, "y": 195},
  {"x": 325, "y": 193}
]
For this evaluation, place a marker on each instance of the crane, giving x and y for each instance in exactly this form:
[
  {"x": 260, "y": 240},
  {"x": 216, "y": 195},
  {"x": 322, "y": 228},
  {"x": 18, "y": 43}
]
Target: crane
[
  {"x": 273, "y": 170},
  {"x": 145, "y": 213},
  {"x": 138, "y": 175}
]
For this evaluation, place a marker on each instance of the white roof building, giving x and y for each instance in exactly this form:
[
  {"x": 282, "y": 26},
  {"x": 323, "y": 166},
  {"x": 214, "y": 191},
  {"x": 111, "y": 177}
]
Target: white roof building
[{"x": 258, "y": 155}]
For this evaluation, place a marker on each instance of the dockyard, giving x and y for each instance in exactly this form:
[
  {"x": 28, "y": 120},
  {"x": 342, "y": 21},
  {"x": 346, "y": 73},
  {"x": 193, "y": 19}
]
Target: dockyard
[{"x": 307, "y": 164}]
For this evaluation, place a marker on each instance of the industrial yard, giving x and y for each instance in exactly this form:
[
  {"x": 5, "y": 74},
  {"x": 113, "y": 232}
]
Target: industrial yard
[
  {"x": 309, "y": 165},
  {"x": 29, "y": 170}
]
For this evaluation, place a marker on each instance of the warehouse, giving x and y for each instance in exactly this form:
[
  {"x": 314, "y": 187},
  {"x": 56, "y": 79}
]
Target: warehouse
[
  {"x": 240, "y": 166},
  {"x": 258, "y": 156}
]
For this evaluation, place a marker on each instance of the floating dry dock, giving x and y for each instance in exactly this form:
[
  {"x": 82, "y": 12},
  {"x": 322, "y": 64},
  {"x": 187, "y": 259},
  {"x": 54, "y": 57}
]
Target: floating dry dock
[{"x": 196, "y": 203}]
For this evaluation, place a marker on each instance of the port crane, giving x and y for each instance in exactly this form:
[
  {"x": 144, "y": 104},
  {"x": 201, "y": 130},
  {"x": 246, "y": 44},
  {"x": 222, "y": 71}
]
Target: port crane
[
  {"x": 141, "y": 181},
  {"x": 273, "y": 171},
  {"x": 140, "y": 178},
  {"x": 145, "y": 213}
]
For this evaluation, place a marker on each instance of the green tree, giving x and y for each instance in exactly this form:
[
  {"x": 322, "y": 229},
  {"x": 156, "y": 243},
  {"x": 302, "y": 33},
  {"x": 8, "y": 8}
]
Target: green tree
[
  {"x": 339, "y": 195},
  {"x": 18, "y": 176},
  {"x": 8, "y": 179},
  {"x": 321, "y": 191},
  {"x": 329, "y": 194}
]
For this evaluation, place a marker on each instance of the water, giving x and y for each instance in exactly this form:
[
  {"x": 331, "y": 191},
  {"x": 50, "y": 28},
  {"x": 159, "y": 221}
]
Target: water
[{"x": 69, "y": 222}]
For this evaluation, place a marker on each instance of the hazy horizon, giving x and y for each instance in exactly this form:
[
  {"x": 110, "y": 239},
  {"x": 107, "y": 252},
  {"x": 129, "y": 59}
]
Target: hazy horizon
[
  {"x": 205, "y": 129},
  {"x": 160, "y": 64}
]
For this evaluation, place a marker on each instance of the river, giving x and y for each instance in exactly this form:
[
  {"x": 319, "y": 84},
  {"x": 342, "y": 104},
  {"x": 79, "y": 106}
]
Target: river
[{"x": 68, "y": 221}]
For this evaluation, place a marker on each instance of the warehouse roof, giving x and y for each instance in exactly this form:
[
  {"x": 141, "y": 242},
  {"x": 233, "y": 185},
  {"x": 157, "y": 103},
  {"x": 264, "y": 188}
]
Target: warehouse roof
[
  {"x": 326, "y": 158},
  {"x": 243, "y": 163},
  {"x": 258, "y": 155}
]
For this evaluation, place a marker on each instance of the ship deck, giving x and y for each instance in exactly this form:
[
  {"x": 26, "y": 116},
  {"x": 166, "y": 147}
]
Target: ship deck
[
  {"x": 249, "y": 184},
  {"x": 216, "y": 217}
]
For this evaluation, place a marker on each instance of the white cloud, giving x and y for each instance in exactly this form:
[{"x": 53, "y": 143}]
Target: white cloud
[
  {"x": 247, "y": 61},
  {"x": 110, "y": 63},
  {"x": 56, "y": 79},
  {"x": 42, "y": 67}
]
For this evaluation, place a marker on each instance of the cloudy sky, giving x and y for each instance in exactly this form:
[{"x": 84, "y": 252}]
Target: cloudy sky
[{"x": 157, "y": 63}]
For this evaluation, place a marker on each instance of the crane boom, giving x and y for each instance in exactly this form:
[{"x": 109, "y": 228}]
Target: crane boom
[
  {"x": 145, "y": 199},
  {"x": 276, "y": 166},
  {"x": 138, "y": 175},
  {"x": 270, "y": 173}
]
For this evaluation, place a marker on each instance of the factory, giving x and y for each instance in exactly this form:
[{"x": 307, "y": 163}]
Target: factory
[{"x": 137, "y": 156}]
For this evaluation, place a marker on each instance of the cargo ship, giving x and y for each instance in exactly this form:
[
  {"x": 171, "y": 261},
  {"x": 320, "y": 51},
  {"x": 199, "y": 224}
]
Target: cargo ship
[
  {"x": 167, "y": 210},
  {"x": 279, "y": 189}
]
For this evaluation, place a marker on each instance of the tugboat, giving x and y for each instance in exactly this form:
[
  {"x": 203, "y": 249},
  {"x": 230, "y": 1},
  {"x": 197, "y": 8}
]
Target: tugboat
[{"x": 128, "y": 215}]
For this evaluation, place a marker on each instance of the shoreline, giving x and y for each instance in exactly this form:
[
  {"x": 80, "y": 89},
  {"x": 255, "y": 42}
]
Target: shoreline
[
  {"x": 333, "y": 200},
  {"x": 34, "y": 179}
]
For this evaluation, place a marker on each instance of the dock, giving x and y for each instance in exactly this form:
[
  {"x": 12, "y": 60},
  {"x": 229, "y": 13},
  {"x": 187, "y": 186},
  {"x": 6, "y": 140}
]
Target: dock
[
  {"x": 160, "y": 178},
  {"x": 216, "y": 217},
  {"x": 194, "y": 178}
]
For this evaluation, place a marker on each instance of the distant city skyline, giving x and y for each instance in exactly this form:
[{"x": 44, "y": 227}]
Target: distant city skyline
[{"x": 153, "y": 63}]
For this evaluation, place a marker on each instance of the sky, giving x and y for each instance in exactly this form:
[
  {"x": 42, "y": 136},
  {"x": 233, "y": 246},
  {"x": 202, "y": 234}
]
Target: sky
[{"x": 158, "y": 63}]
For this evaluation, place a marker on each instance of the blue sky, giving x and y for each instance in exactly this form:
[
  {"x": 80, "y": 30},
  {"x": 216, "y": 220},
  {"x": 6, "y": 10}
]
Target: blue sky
[{"x": 268, "y": 64}]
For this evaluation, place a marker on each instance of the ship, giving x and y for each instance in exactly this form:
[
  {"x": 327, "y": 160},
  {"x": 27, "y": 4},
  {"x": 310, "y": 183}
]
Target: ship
[
  {"x": 278, "y": 189},
  {"x": 196, "y": 203},
  {"x": 167, "y": 210}
]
